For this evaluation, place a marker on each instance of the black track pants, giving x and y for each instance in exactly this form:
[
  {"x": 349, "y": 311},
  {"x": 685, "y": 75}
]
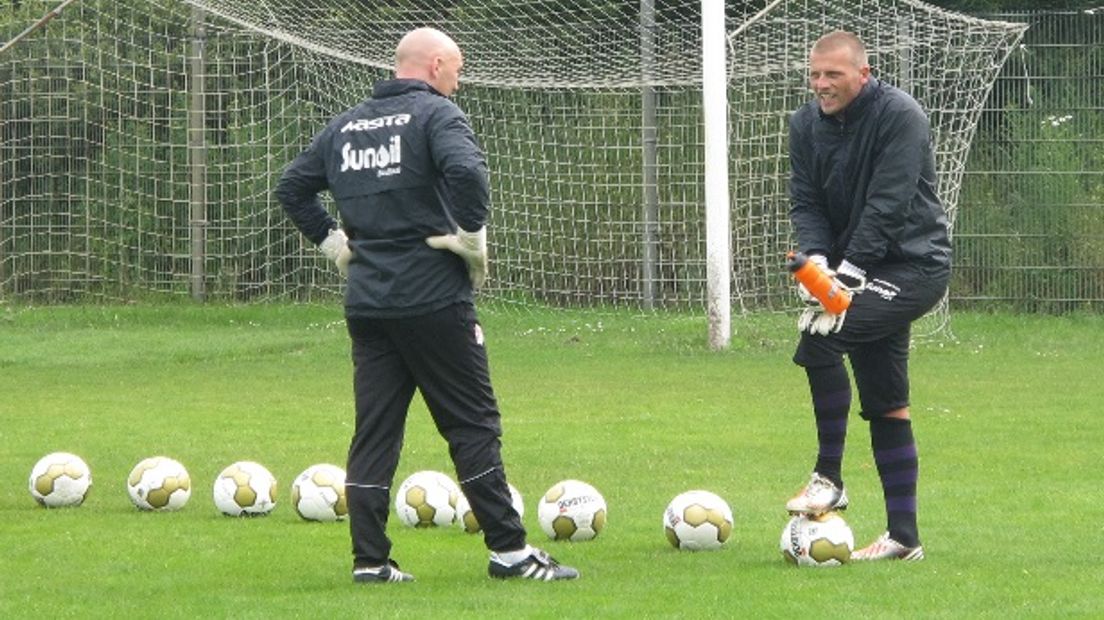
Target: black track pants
[{"x": 440, "y": 354}]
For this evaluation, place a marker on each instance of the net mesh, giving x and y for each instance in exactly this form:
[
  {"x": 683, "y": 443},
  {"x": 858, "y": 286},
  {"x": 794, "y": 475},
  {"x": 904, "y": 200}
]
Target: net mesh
[{"x": 141, "y": 138}]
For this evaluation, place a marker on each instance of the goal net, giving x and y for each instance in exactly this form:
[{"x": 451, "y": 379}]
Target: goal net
[{"x": 141, "y": 139}]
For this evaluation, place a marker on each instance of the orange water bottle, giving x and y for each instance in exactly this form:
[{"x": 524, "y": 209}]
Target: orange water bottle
[{"x": 827, "y": 291}]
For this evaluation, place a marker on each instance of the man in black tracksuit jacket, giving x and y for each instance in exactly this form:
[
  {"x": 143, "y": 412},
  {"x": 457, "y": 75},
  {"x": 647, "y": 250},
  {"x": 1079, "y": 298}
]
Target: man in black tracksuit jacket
[
  {"x": 410, "y": 182},
  {"x": 864, "y": 206}
]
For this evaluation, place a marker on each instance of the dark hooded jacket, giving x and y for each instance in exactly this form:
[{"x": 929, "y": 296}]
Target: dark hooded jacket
[
  {"x": 401, "y": 166},
  {"x": 863, "y": 183}
]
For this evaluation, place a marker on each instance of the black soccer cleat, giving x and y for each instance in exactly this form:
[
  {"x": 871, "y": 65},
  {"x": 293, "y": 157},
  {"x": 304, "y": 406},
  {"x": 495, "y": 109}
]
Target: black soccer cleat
[
  {"x": 385, "y": 574},
  {"x": 539, "y": 566}
]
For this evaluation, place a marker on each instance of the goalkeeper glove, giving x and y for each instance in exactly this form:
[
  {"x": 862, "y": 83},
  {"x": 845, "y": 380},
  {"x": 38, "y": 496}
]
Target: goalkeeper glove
[
  {"x": 817, "y": 320},
  {"x": 335, "y": 247},
  {"x": 850, "y": 276},
  {"x": 470, "y": 246}
]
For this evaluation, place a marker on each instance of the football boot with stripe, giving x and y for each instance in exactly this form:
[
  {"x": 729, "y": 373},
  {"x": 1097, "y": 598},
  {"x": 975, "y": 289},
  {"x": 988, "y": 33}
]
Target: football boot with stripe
[
  {"x": 885, "y": 548},
  {"x": 539, "y": 566},
  {"x": 381, "y": 574},
  {"x": 821, "y": 495}
]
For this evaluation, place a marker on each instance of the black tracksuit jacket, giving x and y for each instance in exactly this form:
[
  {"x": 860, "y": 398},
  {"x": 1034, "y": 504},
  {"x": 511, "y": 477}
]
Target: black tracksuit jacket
[
  {"x": 401, "y": 166},
  {"x": 863, "y": 188}
]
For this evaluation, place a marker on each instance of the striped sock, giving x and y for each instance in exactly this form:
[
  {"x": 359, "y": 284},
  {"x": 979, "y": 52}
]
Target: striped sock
[
  {"x": 898, "y": 467},
  {"x": 831, "y": 391}
]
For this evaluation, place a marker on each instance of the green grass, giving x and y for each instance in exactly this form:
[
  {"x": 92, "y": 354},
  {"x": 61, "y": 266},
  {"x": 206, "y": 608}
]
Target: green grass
[{"x": 1007, "y": 418}]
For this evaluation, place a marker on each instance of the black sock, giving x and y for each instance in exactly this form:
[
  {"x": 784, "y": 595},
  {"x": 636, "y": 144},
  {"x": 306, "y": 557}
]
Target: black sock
[
  {"x": 830, "y": 388},
  {"x": 898, "y": 467}
]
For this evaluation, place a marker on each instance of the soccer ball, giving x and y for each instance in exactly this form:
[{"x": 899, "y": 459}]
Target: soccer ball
[
  {"x": 824, "y": 540},
  {"x": 159, "y": 483},
  {"x": 245, "y": 489},
  {"x": 697, "y": 521},
  {"x": 466, "y": 518},
  {"x": 60, "y": 479},
  {"x": 427, "y": 499},
  {"x": 318, "y": 494},
  {"x": 572, "y": 510}
]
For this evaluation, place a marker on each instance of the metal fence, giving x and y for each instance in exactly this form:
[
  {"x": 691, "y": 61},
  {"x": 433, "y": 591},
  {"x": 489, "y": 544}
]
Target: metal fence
[{"x": 1030, "y": 227}]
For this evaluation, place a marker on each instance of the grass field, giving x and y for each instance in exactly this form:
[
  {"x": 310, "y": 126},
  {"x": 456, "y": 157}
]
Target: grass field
[{"x": 1007, "y": 417}]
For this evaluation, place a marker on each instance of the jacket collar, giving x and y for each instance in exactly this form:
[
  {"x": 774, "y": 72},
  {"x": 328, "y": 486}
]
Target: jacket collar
[{"x": 391, "y": 88}]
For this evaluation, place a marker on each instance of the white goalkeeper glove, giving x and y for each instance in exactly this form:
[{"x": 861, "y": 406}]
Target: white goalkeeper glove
[
  {"x": 470, "y": 246},
  {"x": 851, "y": 277},
  {"x": 335, "y": 247},
  {"x": 818, "y": 321}
]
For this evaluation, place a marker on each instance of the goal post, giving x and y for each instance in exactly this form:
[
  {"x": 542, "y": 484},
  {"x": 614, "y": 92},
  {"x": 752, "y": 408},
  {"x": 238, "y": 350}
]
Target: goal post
[
  {"x": 718, "y": 238},
  {"x": 637, "y": 149}
]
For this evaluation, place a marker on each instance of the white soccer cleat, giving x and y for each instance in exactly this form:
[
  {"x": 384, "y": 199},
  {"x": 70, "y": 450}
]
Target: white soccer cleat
[
  {"x": 885, "y": 548},
  {"x": 821, "y": 495}
]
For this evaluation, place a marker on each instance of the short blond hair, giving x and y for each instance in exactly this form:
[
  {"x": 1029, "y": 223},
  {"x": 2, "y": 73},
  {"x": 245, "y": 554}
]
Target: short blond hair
[{"x": 842, "y": 38}]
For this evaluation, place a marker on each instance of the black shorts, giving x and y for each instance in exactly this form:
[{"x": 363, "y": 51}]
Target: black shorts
[{"x": 875, "y": 334}]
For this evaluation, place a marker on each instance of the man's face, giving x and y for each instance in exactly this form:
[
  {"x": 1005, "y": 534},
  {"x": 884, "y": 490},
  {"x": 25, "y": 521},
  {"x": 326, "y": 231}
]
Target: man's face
[{"x": 835, "y": 79}]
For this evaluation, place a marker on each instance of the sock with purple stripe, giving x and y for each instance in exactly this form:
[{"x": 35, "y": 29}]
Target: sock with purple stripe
[
  {"x": 898, "y": 467},
  {"x": 830, "y": 388}
]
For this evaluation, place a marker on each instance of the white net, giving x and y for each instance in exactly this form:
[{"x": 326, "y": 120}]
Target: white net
[{"x": 141, "y": 138}]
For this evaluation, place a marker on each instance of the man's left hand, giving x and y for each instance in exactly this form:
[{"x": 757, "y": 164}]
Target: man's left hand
[
  {"x": 851, "y": 276},
  {"x": 470, "y": 246}
]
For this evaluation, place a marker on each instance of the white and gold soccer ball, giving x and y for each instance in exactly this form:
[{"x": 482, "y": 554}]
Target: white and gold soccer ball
[
  {"x": 466, "y": 518},
  {"x": 245, "y": 489},
  {"x": 159, "y": 483},
  {"x": 572, "y": 510},
  {"x": 697, "y": 521},
  {"x": 318, "y": 494},
  {"x": 824, "y": 540},
  {"x": 60, "y": 479},
  {"x": 427, "y": 499}
]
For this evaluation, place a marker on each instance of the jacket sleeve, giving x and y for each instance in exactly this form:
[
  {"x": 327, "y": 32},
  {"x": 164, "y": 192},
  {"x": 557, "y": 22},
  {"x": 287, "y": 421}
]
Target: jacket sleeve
[
  {"x": 458, "y": 156},
  {"x": 807, "y": 211},
  {"x": 905, "y": 142},
  {"x": 298, "y": 189}
]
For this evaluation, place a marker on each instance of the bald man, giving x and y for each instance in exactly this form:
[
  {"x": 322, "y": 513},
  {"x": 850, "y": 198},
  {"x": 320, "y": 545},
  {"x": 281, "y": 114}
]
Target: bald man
[
  {"x": 410, "y": 183},
  {"x": 864, "y": 204}
]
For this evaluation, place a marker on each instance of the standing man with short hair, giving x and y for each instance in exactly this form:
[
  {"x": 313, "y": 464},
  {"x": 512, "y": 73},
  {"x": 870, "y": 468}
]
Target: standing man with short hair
[
  {"x": 410, "y": 181},
  {"x": 864, "y": 206}
]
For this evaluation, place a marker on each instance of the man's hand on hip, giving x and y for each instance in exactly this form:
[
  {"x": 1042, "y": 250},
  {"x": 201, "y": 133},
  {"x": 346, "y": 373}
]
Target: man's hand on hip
[
  {"x": 336, "y": 248},
  {"x": 470, "y": 246}
]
